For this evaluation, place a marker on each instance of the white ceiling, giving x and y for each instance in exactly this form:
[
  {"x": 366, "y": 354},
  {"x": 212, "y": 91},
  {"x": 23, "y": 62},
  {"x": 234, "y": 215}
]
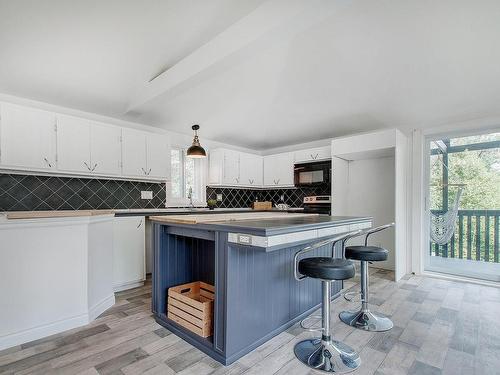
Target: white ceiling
[{"x": 360, "y": 65}]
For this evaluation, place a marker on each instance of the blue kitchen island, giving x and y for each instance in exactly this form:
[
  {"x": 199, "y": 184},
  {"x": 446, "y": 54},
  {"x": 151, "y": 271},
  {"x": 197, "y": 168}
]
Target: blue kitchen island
[{"x": 248, "y": 258}]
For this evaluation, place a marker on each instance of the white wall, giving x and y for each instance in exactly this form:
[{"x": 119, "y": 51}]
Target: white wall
[{"x": 371, "y": 193}]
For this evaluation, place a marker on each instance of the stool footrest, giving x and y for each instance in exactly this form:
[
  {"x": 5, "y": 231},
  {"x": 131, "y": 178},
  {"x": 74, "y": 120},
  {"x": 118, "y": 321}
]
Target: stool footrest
[{"x": 310, "y": 328}]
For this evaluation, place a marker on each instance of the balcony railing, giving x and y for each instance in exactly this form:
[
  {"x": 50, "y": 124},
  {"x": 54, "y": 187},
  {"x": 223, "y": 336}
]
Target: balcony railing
[{"x": 475, "y": 238}]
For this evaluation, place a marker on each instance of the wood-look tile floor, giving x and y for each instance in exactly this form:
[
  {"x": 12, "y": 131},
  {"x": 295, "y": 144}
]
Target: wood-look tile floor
[{"x": 441, "y": 327}]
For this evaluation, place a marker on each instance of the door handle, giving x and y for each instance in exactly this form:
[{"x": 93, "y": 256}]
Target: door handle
[
  {"x": 316, "y": 156},
  {"x": 95, "y": 166},
  {"x": 312, "y": 157},
  {"x": 48, "y": 163},
  {"x": 144, "y": 171},
  {"x": 140, "y": 223},
  {"x": 149, "y": 171},
  {"x": 251, "y": 181},
  {"x": 87, "y": 166}
]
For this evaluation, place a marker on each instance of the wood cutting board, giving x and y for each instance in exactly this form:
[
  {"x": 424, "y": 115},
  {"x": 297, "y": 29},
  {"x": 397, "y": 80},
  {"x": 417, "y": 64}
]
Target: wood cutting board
[{"x": 220, "y": 218}]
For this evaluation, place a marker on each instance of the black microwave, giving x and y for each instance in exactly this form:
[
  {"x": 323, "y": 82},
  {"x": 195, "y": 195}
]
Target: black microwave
[{"x": 310, "y": 174}]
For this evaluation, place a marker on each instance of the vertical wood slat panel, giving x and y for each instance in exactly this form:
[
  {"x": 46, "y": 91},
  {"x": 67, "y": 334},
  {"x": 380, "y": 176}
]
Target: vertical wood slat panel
[
  {"x": 452, "y": 245},
  {"x": 496, "y": 241},
  {"x": 279, "y": 297},
  {"x": 469, "y": 237},
  {"x": 486, "y": 238},
  {"x": 460, "y": 236},
  {"x": 478, "y": 238}
]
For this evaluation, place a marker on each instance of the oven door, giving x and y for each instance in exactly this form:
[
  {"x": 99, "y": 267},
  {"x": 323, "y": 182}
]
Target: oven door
[{"x": 318, "y": 208}]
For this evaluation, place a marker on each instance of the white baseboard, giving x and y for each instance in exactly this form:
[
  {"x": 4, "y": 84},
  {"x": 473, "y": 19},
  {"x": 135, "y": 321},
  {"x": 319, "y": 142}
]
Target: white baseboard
[
  {"x": 56, "y": 327},
  {"x": 42, "y": 331},
  {"x": 128, "y": 285},
  {"x": 101, "y": 306}
]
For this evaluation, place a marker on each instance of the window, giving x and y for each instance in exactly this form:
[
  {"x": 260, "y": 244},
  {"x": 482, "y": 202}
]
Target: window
[{"x": 186, "y": 174}]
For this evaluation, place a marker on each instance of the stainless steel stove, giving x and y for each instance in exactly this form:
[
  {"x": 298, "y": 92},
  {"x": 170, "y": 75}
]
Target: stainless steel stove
[{"x": 318, "y": 204}]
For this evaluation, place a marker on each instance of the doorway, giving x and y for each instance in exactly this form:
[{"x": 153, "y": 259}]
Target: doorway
[{"x": 463, "y": 206}]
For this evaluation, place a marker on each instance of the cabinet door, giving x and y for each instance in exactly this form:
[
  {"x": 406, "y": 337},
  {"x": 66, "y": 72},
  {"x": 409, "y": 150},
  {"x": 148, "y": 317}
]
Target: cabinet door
[
  {"x": 158, "y": 156},
  {"x": 73, "y": 144},
  {"x": 128, "y": 252},
  {"x": 134, "y": 153},
  {"x": 250, "y": 169},
  {"x": 231, "y": 175},
  {"x": 312, "y": 154},
  {"x": 216, "y": 167},
  {"x": 105, "y": 149},
  {"x": 27, "y": 138},
  {"x": 278, "y": 170}
]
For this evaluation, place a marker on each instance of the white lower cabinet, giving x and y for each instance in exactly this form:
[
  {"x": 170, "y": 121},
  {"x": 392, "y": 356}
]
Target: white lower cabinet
[{"x": 129, "y": 269}]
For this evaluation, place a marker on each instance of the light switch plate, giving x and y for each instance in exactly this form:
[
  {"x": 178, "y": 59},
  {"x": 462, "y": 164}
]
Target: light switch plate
[
  {"x": 219, "y": 197},
  {"x": 146, "y": 194}
]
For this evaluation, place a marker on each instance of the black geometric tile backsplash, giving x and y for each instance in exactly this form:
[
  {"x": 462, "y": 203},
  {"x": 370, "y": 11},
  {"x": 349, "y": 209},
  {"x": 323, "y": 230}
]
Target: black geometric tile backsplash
[
  {"x": 35, "y": 193},
  {"x": 294, "y": 197}
]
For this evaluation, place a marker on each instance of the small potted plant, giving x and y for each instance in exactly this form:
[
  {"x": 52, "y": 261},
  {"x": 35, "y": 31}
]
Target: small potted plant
[{"x": 211, "y": 203}]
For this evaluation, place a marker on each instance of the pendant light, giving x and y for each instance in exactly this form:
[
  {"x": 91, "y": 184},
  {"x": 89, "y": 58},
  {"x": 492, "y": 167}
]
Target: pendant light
[{"x": 196, "y": 151}]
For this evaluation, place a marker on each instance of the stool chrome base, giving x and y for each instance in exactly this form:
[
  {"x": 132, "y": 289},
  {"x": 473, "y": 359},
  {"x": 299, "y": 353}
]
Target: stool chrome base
[
  {"x": 366, "y": 320},
  {"x": 327, "y": 356}
]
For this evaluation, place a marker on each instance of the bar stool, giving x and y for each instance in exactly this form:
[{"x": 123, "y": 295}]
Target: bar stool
[
  {"x": 364, "y": 318},
  {"x": 325, "y": 354}
]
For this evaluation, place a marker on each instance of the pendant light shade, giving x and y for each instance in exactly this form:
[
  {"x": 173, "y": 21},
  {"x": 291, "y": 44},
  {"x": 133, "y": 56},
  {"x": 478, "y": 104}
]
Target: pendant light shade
[{"x": 196, "y": 151}]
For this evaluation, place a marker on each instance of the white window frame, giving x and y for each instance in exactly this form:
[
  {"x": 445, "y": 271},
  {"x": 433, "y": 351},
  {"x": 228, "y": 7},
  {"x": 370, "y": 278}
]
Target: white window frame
[{"x": 201, "y": 176}]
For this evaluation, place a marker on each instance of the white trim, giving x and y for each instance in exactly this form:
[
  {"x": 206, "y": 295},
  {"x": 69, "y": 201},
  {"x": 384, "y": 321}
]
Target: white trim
[
  {"x": 282, "y": 239},
  {"x": 100, "y": 307},
  {"x": 42, "y": 331},
  {"x": 118, "y": 287}
]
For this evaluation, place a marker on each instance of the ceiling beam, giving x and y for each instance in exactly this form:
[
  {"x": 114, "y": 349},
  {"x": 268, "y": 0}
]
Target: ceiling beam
[{"x": 275, "y": 21}]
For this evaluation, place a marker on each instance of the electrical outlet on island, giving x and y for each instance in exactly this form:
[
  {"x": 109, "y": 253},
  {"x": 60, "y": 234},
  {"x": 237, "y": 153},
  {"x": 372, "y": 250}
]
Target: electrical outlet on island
[{"x": 219, "y": 197}]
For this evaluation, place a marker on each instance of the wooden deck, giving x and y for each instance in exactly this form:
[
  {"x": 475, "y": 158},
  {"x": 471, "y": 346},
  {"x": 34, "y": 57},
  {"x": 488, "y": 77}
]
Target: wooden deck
[{"x": 441, "y": 327}]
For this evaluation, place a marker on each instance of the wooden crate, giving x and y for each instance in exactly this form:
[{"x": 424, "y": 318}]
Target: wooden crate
[
  {"x": 262, "y": 206},
  {"x": 192, "y": 306}
]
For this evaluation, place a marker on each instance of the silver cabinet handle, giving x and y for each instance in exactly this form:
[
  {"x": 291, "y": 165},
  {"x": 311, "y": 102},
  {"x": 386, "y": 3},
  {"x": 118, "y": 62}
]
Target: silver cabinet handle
[
  {"x": 251, "y": 181},
  {"x": 144, "y": 171},
  {"x": 149, "y": 171},
  {"x": 48, "y": 163},
  {"x": 316, "y": 156},
  {"x": 278, "y": 181},
  {"x": 95, "y": 166},
  {"x": 237, "y": 180},
  {"x": 87, "y": 165},
  {"x": 312, "y": 157},
  {"x": 140, "y": 223}
]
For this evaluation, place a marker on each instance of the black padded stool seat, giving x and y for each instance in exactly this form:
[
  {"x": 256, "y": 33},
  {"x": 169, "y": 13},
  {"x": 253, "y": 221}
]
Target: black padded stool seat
[
  {"x": 327, "y": 268},
  {"x": 367, "y": 253}
]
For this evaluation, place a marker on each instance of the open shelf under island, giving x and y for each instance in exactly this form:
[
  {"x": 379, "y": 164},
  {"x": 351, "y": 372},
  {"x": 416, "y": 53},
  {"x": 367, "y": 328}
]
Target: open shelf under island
[{"x": 249, "y": 260}]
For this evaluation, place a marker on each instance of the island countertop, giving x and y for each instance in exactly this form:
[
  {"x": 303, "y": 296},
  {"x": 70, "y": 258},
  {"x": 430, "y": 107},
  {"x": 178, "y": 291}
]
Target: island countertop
[{"x": 270, "y": 225}]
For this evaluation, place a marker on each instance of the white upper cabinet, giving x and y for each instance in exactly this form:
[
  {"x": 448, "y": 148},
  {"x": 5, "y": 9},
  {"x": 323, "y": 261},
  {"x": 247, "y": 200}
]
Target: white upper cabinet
[
  {"x": 278, "y": 170},
  {"x": 145, "y": 154},
  {"x": 88, "y": 148},
  {"x": 313, "y": 154},
  {"x": 134, "y": 153},
  {"x": 231, "y": 167},
  {"x": 234, "y": 168},
  {"x": 105, "y": 149},
  {"x": 251, "y": 169},
  {"x": 158, "y": 156},
  {"x": 27, "y": 138},
  {"x": 73, "y": 144}
]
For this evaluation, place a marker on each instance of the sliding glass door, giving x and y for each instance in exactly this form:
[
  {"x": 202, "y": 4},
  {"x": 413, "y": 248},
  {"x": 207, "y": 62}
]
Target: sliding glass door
[{"x": 463, "y": 202}]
